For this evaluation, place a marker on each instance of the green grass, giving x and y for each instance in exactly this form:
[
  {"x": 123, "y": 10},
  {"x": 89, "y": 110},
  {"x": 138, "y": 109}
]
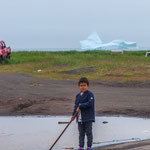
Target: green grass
[{"x": 131, "y": 66}]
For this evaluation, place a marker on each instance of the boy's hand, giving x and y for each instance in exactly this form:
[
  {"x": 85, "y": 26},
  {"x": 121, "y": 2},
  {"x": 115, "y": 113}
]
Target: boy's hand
[
  {"x": 78, "y": 109},
  {"x": 72, "y": 118}
]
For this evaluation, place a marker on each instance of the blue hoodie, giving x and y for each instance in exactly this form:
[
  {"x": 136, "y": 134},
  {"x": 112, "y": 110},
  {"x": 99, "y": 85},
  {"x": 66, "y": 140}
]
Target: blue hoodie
[{"x": 86, "y": 104}]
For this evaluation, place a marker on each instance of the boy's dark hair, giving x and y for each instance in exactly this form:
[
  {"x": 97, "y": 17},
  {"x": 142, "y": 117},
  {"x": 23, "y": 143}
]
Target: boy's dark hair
[{"x": 83, "y": 80}]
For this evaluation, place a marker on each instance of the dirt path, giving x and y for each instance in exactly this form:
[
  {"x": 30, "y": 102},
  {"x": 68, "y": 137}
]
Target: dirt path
[{"x": 21, "y": 94}]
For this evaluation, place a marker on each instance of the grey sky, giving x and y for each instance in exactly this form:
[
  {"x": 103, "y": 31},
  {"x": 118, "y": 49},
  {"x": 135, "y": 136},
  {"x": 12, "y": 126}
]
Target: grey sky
[{"x": 63, "y": 23}]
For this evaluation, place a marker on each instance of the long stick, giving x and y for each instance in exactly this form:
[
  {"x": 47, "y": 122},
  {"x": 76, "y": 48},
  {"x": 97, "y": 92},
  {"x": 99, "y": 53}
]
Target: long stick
[
  {"x": 63, "y": 131},
  {"x": 62, "y": 122}
]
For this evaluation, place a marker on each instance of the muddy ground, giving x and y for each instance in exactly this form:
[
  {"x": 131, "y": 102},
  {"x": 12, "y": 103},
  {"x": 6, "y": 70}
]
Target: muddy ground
[
  {"x": 22, "y": 94},
  {"x": 140, "y": 145}
]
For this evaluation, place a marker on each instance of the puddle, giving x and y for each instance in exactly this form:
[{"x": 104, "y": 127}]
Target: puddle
[{"x": 39, "y": 133}]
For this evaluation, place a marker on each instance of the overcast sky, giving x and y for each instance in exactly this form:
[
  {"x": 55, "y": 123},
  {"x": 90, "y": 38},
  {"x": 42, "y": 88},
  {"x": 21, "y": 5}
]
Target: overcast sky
[{"x": 63, "y": 23}]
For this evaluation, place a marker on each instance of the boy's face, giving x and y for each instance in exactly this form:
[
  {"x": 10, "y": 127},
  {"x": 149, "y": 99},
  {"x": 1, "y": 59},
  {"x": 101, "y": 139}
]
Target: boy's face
[{"x": 83, "y": 87}]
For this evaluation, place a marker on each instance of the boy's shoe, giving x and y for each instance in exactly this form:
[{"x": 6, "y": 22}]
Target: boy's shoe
[
  {"x": 89, "y": 148},
  {"x": 80, "y": 148}
]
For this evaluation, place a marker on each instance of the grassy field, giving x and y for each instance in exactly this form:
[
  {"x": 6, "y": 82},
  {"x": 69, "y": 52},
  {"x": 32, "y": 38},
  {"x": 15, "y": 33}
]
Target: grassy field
[{"x": 100, "y": 65}]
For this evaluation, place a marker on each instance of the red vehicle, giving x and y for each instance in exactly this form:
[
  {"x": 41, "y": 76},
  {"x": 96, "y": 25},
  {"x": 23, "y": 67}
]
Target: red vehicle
[{"x": 4, "y": 51}]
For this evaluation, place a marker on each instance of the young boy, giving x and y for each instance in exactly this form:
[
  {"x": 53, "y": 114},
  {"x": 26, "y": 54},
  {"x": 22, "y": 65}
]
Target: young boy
[{"x": 84, "y": 105}]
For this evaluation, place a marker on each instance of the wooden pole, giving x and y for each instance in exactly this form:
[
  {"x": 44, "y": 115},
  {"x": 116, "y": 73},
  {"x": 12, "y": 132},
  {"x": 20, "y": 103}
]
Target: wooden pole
[
  {"x": 63, "y": 132},
  {"x": 60, "y": 122}
]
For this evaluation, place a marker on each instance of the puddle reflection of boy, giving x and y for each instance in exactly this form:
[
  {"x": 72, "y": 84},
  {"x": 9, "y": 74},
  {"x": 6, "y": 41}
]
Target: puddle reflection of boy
[{"x": 84, "y": 105}]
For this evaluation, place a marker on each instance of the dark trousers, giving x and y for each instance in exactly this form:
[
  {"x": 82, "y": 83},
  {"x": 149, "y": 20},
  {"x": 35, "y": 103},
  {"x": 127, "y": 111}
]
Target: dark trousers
[{"x": 85, "y": 128}]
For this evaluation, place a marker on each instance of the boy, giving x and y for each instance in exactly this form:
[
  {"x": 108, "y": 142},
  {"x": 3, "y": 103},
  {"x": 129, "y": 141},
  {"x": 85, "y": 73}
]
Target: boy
[{"x": 84, "y": 105}]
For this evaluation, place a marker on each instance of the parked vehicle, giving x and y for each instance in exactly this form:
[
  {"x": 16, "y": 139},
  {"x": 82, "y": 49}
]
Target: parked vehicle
[{"x": 4, "y": 51}]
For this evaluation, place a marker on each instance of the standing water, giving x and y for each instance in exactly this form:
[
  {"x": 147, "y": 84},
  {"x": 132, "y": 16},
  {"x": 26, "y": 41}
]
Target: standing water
[{"x": 39, "y": 133}]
